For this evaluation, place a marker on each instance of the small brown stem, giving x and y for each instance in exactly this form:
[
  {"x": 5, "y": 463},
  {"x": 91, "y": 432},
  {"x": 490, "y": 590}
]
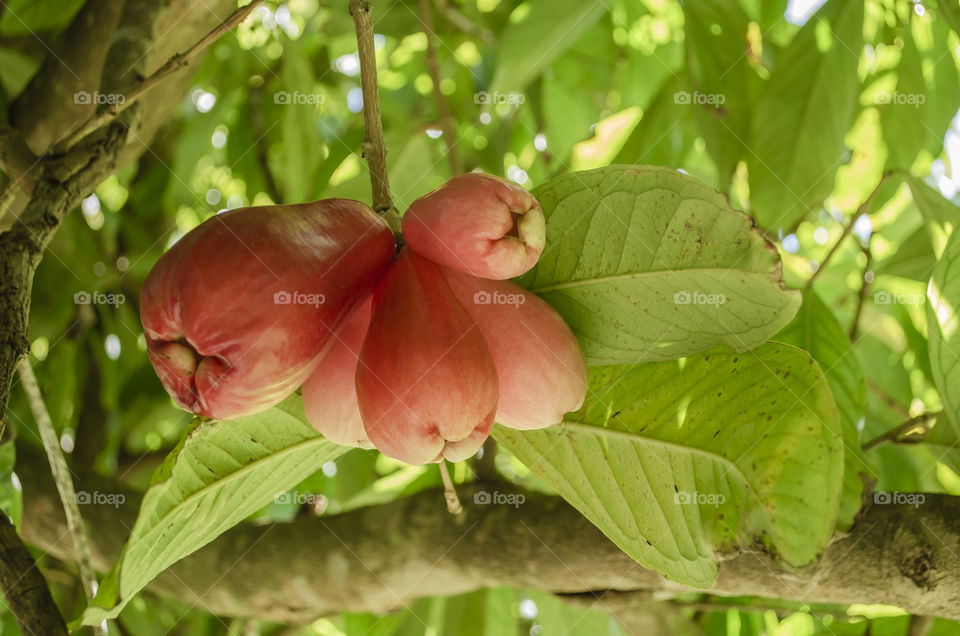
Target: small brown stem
[
  {"x": 171, "y": 66},
  {"x": 449, "y": 492},
  {"x": 447, "y": 123},
  {"x": 374, "y": 147},
  {"x": 256, "y": 122},
  {"x": 864, "y": 208},
  {"x": 861, "y": 295},
  {"x": 910, "y": 432},
  {"x": 61, "y": 475}
]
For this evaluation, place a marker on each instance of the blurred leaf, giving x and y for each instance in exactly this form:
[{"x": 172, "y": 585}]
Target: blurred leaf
[
  {"x": 940, "y": 215},
  {"x": 719, "y": 69},
  {"x": 528, "y": 46},
  {"x": 301, "y": 145},
  {"x": 23, "y": 17},
  {"x": 664, "y": 134},
  {"x": 943, "y": 327},
  {"x": 753, "y": 439},
  {"x": 914, "y": 258},
  {"x": 949, "y": 11},
  {"x": 802, "y": 117},
  {"x": 16, "y": 69},
  {"x": 816, "y": 330},
  {"x": 902, "y": 117},
  {"x": 11, "y": 495},
  {"x": 646, "y": 263},
  {"x": 222, "y": 472}
]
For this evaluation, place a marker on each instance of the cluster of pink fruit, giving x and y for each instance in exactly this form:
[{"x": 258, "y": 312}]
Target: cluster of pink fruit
[{"x": 416, "y": 353}]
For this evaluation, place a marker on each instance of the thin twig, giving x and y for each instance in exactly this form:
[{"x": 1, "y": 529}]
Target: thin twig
[
  {"x": 861, "y": 295},
  {"x": 259, "y": 131},
  {"x": 887, "y": 399},
  {"x": 61, "y": 475},
  {"x": 864, "y": 208},
  {"x": 171, "y": 66},
  {"x": 374, "y": 147},
  {"x": 447, "y": 123},
  {"x": 910, "y": 432},
  {"x": 449, "y": 492}
]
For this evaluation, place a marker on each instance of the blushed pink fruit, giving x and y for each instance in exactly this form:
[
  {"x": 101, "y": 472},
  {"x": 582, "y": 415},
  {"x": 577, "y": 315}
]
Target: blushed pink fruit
[
  {"x": 330, "y": 393},
  {"x": 238, "y": 312},
  {"x": 541, "y": 369},
  {"x": 426, "y": 383},
  {"x": 478, "y": 224}
]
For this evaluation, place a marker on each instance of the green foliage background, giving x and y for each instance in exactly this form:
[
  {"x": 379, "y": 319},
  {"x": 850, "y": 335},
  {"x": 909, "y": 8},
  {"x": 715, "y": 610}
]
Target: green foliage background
[{"x": 850, "y": 116}]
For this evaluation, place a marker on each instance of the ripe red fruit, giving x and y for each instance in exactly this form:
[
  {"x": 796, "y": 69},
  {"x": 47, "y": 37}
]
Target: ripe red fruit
[
  {"x": 540, "y": 366},
  {"x": 426, "y": 383},
  {"x": 237, "y": 313},
  {"x": 478, "y": 224},
  {"x": 330, "y": 393}
]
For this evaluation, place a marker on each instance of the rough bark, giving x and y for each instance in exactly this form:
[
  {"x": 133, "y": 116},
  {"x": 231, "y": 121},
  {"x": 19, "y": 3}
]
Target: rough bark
[
  {"x": 383, "y": 557},
  {"x": 24, "y": 587}
]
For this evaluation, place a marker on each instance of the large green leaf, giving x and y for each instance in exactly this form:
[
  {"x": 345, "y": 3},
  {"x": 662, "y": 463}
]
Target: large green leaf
[
  {"x": 647, "y": 263},
  {"x": 802, "y": 117},
  {"x": 753, "y": 438},
  {"x": 530, "y": 44},
  {"x": 817, "y": 330},
  {"x": 220, "y": 474},
  {"x": 943, "y": 327}
]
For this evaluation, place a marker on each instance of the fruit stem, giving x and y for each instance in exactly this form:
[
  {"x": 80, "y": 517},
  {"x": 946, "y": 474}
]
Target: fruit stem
[{"x": 449, "y": 492}]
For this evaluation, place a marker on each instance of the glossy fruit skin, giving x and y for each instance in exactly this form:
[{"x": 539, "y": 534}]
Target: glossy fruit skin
[
  {"x": 330, "y": 393},
  {"x": 540, "y": 366},
  {"x": 219, "y": 332},
  {"x": 477, "y": 224},
  {"x": 426, "y": 383}
]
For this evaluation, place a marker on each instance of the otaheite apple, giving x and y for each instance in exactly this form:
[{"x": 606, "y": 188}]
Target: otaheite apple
[
  {"x": 541, "y": 369},
  {"x": 330, "y": 393},
  {"x": 238, "y": 312},
  {"x": 477, "y": 224},
  {"x": 426, "y": 383}
]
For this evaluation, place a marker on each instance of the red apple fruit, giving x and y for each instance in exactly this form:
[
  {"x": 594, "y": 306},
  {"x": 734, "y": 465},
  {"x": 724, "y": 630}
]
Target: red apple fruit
[
  {"x": 478, "y": 224},
  {"x": 541, "y": 369},
  {"x": 330, "y": 393},
  {"x": 238, "y": 312},
  {"x": 426, "y": 384}
]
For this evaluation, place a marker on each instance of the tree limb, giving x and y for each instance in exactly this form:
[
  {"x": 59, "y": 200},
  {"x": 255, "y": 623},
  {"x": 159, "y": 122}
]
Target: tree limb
[
  {"x": 447, "y": 121},
  {"x": 172, "y": 65},
  {"x": 380, "y": 558},
  {"x": 16, "y": 158},
  {"x": 24, "y": 586}
]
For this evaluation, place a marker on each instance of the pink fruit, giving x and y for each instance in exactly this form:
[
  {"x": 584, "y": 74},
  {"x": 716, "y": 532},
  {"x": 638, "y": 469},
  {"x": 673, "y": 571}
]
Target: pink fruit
[
  {"x": 540, "y": 367},
  {"x": 426, "y": 383},
  {"x": 238, "y": 312},
  {"x": 478, "y": 224},
  {"x": 330, "y": 393}
]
